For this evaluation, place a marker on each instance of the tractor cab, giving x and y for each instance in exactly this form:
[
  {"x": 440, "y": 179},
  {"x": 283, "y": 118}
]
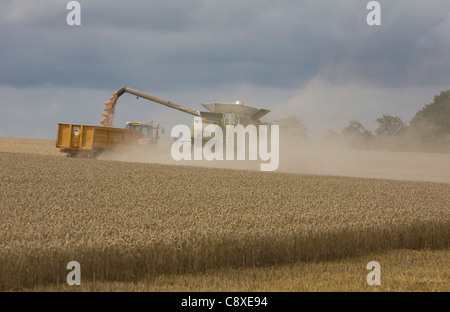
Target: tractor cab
[{"x": 148, "y": 133}]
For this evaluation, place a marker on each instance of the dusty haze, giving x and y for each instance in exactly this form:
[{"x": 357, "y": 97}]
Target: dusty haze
[{"x": 315, "y": 158}]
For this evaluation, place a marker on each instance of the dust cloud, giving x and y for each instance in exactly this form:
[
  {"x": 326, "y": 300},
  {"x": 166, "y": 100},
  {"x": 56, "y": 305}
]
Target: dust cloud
[
  {"x": 344, "y": 161},
  {"x": 315, "y": 158},
  {"x": 399, "y": 159}
]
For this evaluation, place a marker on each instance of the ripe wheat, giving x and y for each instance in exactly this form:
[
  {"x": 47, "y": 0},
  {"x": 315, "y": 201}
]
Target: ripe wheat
[{"x": 125, "y": 221}]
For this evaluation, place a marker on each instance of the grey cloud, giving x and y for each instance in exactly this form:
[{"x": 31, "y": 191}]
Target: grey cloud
[
  {"x": 178, "y": 42},
  {"x": 194, "y": 49},
  {"x": 188, "y": 43}
]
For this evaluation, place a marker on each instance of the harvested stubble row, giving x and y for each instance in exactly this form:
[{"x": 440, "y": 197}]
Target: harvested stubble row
[{"x": 127, "y": 221}]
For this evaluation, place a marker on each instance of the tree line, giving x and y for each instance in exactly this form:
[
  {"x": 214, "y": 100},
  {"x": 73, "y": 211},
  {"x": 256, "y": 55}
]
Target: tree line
[{"x": 428, "y": 130}]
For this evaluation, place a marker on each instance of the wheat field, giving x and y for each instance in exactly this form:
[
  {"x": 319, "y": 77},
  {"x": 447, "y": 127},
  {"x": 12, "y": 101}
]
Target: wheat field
[{"x": 141, "y": 223}]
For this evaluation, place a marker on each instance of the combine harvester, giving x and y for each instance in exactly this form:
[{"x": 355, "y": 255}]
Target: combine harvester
[
  {"x": 219, "y": 114},
  {"x": 91, "y": 140}
]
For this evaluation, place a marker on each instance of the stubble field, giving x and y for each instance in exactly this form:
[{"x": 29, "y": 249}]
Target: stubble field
[{"x": 144, "y": 226}]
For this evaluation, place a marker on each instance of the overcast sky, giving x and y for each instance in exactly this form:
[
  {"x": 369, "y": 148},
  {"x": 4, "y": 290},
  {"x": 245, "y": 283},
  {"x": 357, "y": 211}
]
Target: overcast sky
[{"x": 316, "y": 59}]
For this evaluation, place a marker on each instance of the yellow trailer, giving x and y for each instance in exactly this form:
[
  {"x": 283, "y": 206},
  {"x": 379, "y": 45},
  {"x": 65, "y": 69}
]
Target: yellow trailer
[{"x": 89, "y": 141}]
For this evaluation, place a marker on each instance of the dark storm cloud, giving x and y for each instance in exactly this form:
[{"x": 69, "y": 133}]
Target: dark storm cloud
[
  {"x": 317, "y": 59},
  {"x": 407, "y": 49},
  {"x": 183, "y": 44}
]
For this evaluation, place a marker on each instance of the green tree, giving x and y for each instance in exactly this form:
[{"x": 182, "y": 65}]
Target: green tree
[
  {"x": 433, "y": 121},
  {"x": 293, "y": 127},
  {"x": 389, "y": 126},
  {"x": 355, "y": 128},
  {"x": 356, "y": 135}
]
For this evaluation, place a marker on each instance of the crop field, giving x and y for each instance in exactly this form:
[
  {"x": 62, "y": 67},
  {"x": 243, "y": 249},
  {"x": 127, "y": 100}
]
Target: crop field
[{"x": 146, "y": 226}]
